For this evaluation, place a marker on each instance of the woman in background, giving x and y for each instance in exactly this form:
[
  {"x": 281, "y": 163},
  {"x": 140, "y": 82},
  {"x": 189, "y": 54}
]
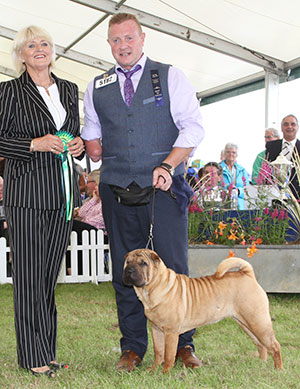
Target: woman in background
[{"x": 234, "y": 174}]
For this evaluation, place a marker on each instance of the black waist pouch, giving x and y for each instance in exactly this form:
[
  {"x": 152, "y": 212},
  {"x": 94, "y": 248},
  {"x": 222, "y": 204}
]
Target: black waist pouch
[{"x": 133, "y": 195}]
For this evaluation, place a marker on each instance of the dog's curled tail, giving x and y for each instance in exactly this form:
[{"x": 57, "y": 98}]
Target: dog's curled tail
[{"x": 230, "y": 264}]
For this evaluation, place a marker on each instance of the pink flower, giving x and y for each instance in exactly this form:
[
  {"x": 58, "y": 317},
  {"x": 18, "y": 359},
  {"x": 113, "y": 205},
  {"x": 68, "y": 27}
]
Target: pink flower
[
  {"x": 274, "y": 214},
  {"x": 265, "y": 174},
  {"x": 192, "y": 208},
  {"x": 259, "y": 180},
  {"x": 258, "y": 219},
  {"x": 257, "y": 228},
  {"x": 266, "y": 211},
  {"x": 230, "y": 186},
  {"x": 281, "y": 214}
]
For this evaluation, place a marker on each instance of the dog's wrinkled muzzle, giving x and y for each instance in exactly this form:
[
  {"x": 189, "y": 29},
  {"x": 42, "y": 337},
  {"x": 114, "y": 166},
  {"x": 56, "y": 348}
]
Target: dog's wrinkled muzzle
[
  {"x": 128, "y": 275},
  {"x": 131, "y": 277}
]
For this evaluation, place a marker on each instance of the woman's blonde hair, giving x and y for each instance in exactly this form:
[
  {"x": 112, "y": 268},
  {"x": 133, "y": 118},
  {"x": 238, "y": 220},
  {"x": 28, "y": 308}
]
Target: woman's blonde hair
[{"x": 23, "y": 36}]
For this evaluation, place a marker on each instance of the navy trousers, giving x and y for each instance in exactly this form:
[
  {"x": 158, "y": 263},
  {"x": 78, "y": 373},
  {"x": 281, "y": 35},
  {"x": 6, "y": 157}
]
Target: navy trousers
[{"x": 128, "y": 229}]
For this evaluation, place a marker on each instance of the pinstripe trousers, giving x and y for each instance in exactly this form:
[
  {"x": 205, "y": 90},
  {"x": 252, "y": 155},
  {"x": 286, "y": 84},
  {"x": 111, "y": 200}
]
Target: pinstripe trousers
[{"x": 38, "y": 240}]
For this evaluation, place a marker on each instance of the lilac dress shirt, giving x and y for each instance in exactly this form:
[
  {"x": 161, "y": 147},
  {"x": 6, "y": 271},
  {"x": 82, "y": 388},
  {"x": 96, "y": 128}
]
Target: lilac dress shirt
[{"x": 184, "y": 107}]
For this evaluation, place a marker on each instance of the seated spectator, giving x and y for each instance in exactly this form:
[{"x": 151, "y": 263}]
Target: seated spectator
[
  {"x": 211, "y": 176},
  {"x": 270, "y": 135},
  {"x": 90, "y": 212},
  {"x": 211, "y": 189},
  {"x": 235, "y": 177},
  {"x": 89, "y": 216}
]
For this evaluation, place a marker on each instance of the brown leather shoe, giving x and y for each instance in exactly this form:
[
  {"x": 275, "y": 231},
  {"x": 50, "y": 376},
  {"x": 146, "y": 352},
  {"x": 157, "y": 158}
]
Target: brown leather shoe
[
  {"x": 188, "y": 357},
  {"x": 128, "y": 360}
]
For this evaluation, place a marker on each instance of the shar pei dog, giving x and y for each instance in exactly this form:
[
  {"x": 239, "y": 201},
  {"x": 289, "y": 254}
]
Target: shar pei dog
[{"x": 175, "y": 303}]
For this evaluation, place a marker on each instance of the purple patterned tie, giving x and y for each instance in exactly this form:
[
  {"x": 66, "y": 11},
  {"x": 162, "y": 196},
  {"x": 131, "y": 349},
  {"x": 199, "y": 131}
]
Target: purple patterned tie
[{"x": 128, "y": 85}]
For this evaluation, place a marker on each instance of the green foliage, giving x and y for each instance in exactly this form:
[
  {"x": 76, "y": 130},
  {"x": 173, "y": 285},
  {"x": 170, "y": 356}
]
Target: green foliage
[{"x": 88, "y": 339}]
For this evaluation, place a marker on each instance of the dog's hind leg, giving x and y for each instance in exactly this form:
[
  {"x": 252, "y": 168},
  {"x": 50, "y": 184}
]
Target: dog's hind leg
[
  {"x": 263, "y": 354},
  {"x": 159, "y": 346},
  {"x": 267, "y": 338},
  {"x": 264, "y": 338}
]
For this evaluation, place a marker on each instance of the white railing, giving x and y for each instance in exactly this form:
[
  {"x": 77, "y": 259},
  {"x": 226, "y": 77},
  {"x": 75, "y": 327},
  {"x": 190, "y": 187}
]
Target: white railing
[{"x": 93, "y": 258}]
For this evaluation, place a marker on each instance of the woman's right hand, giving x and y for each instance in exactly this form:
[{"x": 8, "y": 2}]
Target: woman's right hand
[{"x": 50, "y": 143}]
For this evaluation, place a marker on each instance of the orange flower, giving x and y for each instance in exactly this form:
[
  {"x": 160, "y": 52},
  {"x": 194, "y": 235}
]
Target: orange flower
[
  {"x": 252, "y": 250},
  {"x": 222, "y": 226},
  {"x": 243, "y": 242},
  {"x": 231, "y": 254},
  {"x": 209, "y": 243},
  {"x": 232, "y": 236},
  {"x": 258, "y": 241}
]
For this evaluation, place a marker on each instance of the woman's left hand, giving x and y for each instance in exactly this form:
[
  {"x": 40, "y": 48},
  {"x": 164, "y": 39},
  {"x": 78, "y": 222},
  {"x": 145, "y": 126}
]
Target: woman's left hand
[{"x": 76, "y": 147}]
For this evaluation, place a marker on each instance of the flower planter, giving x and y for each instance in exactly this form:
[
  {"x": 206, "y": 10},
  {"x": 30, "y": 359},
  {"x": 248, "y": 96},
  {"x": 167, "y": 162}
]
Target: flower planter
[{"x": 277, "y": 268}]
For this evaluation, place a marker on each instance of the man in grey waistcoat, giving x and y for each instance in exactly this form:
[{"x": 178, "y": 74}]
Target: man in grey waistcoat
[{"x": 142, "y": 119}]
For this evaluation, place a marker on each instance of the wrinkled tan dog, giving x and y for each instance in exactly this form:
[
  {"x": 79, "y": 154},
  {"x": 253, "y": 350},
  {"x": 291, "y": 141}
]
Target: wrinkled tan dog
[{"x": 175, "y": 303}]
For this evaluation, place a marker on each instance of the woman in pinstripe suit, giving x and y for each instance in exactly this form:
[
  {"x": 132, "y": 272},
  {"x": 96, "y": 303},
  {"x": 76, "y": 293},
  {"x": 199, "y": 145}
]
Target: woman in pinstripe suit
[{"x": 38, "y": 208}]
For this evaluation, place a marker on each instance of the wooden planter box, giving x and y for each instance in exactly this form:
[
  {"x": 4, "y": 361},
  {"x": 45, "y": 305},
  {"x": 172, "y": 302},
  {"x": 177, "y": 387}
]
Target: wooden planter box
[{"x": 277, "y": 268}]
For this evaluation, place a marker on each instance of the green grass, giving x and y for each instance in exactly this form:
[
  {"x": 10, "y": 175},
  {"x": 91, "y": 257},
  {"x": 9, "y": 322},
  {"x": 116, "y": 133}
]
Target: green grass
[{"x": 88, "y": 340}]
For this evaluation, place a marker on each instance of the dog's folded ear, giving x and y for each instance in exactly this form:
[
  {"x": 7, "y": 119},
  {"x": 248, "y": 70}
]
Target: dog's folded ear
[{"x": 154, "y": 257}]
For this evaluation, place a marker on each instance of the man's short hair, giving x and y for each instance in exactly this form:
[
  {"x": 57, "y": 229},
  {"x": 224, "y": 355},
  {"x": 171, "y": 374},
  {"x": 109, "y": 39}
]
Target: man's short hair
[
  {"x": 293, "y": 116},
  {"x": 123, "y": 17},
  {"x": 274, "y": 131}
]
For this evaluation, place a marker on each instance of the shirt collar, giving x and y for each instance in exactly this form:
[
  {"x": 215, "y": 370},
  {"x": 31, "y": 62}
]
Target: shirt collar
[
  {"x": 292, "y": 142},
  {"x": 142, "y": 62}
]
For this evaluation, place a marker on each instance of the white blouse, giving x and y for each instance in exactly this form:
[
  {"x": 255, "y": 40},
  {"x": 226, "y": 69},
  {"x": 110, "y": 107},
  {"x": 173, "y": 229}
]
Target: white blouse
[{"x": 54, "y": 105}]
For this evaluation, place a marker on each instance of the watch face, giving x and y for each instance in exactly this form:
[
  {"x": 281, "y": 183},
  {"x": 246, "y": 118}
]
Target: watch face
[{"x": 172, "y": 171}]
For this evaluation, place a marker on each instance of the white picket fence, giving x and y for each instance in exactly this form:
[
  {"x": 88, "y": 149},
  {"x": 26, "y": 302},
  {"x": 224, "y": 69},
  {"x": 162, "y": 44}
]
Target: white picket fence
[{"x": 92, "y": 249}]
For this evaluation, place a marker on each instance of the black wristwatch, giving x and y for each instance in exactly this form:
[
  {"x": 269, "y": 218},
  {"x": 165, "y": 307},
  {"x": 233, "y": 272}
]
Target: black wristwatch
[{"x": 168, "y": 167}]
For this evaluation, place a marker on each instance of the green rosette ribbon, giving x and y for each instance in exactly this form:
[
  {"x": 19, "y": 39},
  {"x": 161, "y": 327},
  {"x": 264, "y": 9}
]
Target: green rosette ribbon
[{"x": 67, "y": 172}]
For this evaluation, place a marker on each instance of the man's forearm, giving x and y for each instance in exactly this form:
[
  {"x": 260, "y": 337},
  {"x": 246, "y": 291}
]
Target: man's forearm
[
  {"x": 178, "y": 155},
  {"x": 93, "y": 149}
]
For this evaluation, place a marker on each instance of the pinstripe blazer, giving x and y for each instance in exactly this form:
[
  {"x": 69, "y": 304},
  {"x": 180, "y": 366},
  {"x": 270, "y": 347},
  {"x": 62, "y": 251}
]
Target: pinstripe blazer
[{"x": 33, "y": 180}]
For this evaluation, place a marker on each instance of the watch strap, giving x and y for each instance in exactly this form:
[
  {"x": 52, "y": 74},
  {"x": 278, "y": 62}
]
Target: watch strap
[{"x": 168, "y": 167}]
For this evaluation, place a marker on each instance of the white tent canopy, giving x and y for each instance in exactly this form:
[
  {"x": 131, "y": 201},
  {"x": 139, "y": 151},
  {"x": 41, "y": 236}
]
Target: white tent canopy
[
  {"x": 247, "y": 29},
  {"x": 219, "y": 44}
]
